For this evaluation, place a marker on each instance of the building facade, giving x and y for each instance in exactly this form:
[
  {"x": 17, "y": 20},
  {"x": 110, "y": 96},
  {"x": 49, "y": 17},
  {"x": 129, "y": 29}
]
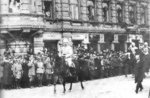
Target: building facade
[{"x": 64, "y": 25}]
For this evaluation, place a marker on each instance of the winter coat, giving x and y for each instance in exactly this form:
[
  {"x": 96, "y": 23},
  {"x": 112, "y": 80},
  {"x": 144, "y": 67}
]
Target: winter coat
[
  {"x": 40, "y": 67},
  {"x": 25, "y": 69},
  {"x": 31, "y": 68},
  {"x": 48, "y": 66},
  {"x": 139, "y": 72},
  {"x": 7, "y": 73},
  {"x": 17, "y": 70},
  {"x": 146, "y": 62}
]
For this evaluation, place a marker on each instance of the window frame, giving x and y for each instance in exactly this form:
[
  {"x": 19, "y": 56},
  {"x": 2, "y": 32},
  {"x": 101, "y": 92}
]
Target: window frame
[
  {"x": 108, "y": 16},
  {"x": 51, "y": 8},
  {"x": 133, "y": 12},
  {"x": 143, "y": 13},
  {"x": 19, "y": 9},
  {"x": 94, "y": 9},
  {"x": 120, "y": 19},
  {"x": 75, "y": 7}
]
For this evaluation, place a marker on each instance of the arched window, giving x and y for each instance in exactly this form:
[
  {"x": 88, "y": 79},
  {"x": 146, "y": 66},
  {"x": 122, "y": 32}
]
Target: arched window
[
  {"x": 132, "y": 13},
  {"x": 105, "y": 9},
  {"x": 91, "y": 9},
  {"x": 120, "y": 13},
  {"x": 74, "y": 9}
]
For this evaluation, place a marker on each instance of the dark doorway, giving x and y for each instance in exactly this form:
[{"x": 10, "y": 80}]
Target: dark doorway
[
  {"x": 51, "y": 45},
  {"x": 76, "y": 45}
]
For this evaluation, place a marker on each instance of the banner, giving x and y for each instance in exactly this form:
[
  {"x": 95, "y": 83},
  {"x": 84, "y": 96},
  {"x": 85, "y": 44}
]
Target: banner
[{"x": 52, "y": 36}]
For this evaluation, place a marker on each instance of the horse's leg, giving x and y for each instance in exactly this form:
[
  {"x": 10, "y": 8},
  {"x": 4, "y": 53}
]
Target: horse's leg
[
  {"x": 82, "y": 85},
  {"x": 54, "y": 87},
  {"x": 64, "y": 85},
  {"x": 70, "y": 86},
  {"x": 54, "y": 83}
]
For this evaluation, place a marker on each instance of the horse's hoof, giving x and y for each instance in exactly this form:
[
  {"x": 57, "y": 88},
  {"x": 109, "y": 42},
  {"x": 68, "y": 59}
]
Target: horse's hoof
[
  {"x": 69, "y": 90},
  {"x": 54, "y": 91},
  {"x": 82, "y": 88}
]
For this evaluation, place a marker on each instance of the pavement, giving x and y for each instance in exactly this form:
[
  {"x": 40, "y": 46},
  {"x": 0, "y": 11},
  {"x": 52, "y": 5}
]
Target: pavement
[{"x": 113, "y": 87}]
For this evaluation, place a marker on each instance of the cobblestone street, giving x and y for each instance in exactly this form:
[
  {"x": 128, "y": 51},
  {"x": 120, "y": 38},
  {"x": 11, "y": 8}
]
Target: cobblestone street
[{"x": 114, "y": 87}]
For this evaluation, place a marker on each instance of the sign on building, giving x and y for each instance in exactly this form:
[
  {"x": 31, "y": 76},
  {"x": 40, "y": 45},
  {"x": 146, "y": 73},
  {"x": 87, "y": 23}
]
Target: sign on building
[
  {"x": 101, "y": 38},
  {"x": 52, "y": 36}
]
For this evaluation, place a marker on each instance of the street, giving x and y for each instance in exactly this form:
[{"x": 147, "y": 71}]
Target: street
[{"x": 113, "y": 87}]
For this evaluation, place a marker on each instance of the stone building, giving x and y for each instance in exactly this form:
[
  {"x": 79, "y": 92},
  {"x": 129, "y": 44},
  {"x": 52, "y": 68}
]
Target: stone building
[{"x": 64, "y": 25}]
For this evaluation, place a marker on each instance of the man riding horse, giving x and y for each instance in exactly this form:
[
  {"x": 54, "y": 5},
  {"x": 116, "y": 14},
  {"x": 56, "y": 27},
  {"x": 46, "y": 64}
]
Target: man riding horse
[{"x": 66, "y": 71}]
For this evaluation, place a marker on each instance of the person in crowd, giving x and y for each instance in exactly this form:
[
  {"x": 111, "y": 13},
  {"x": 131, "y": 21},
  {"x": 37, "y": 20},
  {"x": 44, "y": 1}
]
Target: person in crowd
[
  {"x": 25, "y": 69},
  {"x": 132, "y": 50},
  {"x": 1, "y": 73},
  {"x": 39, "y": 70},
  {"x": 139, "y": 73},
  {"x": 31, "y": 74},
  {"x": 17, "y": 72},
  {"x": 126, "y": 62},
  {"x": 48, "y": 69},
  {"x": 7, "y": 73}
]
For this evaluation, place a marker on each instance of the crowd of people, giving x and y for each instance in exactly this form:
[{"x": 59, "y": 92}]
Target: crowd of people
[
  {"x": 37, "y": 70},
  {"x": 30, "y": 70}
]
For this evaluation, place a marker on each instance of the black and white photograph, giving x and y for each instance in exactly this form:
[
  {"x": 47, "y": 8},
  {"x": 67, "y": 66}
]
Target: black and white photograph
[{"x": 74, "y": 48}]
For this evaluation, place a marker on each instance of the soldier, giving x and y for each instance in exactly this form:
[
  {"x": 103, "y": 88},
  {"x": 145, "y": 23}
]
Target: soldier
[
  {"x": 25, "y": 68},
  {"x": 126, "y": 61},
  {"x": 48, "y": 69},
  {"x": 40, "y": 71},
  {"x": 146, "y": 48},
  {"x": 132, "y": 49},
  {"x": 31, "y": 73},
  {"x": 139, "y": 73},
  {"x": 17, "y": 72}
]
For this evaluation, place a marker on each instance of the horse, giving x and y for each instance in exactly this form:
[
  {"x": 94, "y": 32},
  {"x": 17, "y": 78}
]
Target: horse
[{"x": 64, "y": 73}]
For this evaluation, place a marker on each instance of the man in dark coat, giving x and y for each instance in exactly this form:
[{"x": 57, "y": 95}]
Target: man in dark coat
[
  {"x": 98, "y": 65},
  {"x": 7, "y": 74},
  {"x": 139, "y": 73},
  {"x": 25, "y": 78}
]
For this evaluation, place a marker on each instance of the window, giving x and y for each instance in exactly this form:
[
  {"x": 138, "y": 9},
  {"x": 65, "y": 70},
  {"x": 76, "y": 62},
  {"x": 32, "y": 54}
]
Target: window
[
  {"x": 14, "y": 6},
  {"x": 105, "y": 9},
  {"x": 91, "y": 9},
  {"x": 39, "y": 6},
  {"x": 36, "y": 6},
  {"x": 48, "y": 8},
  {"x": 74, "y": 9},
  {"x": 143, "y": 15},
  {"x": 132, "y": 14},
  {"x": 120, "y": 13},
  {"x": 33, "y": 6}
]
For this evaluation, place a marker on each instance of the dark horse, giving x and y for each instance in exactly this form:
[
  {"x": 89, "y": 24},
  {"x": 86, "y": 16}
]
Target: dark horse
[{"x": 63, "y": 73}]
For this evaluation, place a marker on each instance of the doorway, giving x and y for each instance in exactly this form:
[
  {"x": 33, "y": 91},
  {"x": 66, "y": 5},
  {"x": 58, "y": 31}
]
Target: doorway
[
  {"x": 51, "y": 46},
  {"x": 76, "y": 45}
]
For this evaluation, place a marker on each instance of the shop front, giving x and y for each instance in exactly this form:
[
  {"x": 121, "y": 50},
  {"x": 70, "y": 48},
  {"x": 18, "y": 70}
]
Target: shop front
[
  {"x": 50, "y": 40},
  {"x": 80, "y": 39},
  {"x": 107, "y": 41}
]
